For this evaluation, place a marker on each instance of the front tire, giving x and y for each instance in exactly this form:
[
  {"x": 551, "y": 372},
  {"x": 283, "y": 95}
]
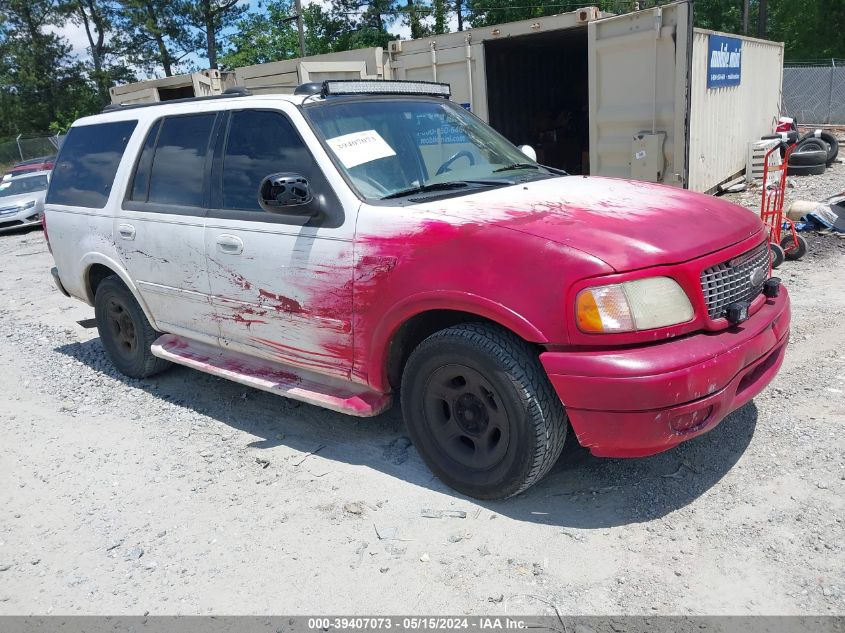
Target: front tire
[
  {"x": 124, "y": 330},
  {"x": 481, "y": 411}
]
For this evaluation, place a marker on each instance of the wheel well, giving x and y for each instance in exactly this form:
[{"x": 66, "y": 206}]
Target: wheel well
[
  {"x": 96, "y": 274},
  {"x": 418, "y": 328}
]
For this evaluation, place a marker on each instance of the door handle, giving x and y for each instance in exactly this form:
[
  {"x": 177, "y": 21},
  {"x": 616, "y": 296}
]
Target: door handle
[
  {"x": 230, "y": 245},
  {"x": 126, "y": 231}
]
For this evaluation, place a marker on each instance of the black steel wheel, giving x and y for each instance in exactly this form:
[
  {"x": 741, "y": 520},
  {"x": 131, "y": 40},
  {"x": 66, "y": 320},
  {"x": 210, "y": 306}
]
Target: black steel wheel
[
  {"x": 466, "y": 416},
  {"x": 124, "y": 330},
  {"x": 481, "y": 411}
]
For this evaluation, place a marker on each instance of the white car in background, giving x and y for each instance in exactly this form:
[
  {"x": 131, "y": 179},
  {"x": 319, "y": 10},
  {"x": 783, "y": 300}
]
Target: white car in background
[{"x": 22, "y": 200}]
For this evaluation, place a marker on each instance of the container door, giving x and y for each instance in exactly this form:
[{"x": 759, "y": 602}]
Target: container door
[
  {"x": 639, "y": 71},
  {"x": 453, "y": 59}
]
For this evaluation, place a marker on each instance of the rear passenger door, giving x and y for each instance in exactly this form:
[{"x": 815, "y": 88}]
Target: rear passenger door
[
  {"x": 281, "y": 284},
  {"x": 159, "y": 228}
]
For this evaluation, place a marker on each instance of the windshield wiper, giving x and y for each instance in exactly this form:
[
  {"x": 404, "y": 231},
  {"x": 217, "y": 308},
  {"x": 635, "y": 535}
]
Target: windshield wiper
[
  {"x": 517, "y": 166},
  {"x": 445, "y": 186},
  {"x": 434, "y": 186}
]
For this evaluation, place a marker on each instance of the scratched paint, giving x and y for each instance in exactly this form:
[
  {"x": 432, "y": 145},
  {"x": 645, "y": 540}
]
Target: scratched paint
[{"x": 329, "y": 301}]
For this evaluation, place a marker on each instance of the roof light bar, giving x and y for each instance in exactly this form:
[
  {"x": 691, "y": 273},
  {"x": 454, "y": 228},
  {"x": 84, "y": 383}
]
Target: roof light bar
[{"x": 385, "y": 87}]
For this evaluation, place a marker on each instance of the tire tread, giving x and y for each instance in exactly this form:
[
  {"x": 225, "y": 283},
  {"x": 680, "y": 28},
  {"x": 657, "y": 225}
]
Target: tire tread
[{"x": 545, "y": 409}]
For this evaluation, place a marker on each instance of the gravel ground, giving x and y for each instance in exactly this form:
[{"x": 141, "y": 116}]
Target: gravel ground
[{"x": 187, "y": 494}]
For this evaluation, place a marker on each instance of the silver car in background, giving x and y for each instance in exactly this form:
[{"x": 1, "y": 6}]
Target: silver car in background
[{"x": 22, "y": 200}]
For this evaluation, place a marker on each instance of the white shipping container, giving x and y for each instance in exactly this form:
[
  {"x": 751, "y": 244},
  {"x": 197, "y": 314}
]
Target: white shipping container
[
  {"x": 204, "y": 83},
  {"x": 284, "y": 76},
  {"x": 724, "y": 120}
]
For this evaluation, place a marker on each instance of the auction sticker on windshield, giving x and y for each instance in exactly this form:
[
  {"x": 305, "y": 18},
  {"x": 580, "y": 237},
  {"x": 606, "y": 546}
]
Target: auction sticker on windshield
[{"x": 360, "y": 147}]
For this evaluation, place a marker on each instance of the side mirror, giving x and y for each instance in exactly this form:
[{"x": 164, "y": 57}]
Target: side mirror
[
  {"x": 528, "y": 151},
  {"x": 282, "y": 193}
]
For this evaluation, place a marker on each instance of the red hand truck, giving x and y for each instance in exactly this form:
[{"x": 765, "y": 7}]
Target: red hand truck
[{"x": 791, "y": 245}]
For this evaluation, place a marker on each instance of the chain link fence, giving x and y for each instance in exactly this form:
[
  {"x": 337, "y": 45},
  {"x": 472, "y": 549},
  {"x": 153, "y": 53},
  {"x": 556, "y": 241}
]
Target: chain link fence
[
  {"x": 814, "y": 92},
  {"x": 17, "y": 149}
]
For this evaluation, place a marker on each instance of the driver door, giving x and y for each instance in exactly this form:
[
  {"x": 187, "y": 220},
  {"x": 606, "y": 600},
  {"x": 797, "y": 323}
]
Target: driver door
[{"x": 281, "y": 284}]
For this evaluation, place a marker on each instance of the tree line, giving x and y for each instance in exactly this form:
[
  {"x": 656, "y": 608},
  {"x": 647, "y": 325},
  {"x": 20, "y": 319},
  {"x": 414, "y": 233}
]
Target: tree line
[{"x": 45, "y": 86}]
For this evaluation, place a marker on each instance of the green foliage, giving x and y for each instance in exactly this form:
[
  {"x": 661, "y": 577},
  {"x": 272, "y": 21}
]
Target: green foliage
[
  {"x": 40, "y": 82},
  {"x": 157, "y": 38},
  {"x": 207, "y": 19},
  {"x": 815, "y": 30},
  {"x": 265, "y": 36}
]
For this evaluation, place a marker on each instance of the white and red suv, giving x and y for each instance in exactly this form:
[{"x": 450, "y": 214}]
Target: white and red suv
[{"x": 361, "y": 239}]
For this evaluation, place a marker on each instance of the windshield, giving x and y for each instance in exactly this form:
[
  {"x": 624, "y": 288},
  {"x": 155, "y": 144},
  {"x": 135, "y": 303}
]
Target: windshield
[
  {"x": 391, "y": 148},
  {"x": 17, "y": 186}
]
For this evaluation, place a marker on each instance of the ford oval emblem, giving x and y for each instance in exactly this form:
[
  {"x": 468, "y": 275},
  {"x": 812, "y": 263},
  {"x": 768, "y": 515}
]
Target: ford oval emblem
[{"x": 758, "y": 276}]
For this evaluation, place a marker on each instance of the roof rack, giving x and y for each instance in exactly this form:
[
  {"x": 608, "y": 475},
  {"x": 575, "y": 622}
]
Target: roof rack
[{"x": 237, "y": 91}]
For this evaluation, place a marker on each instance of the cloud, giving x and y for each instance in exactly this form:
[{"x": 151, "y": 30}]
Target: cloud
[{"x": 75, "y": 36}]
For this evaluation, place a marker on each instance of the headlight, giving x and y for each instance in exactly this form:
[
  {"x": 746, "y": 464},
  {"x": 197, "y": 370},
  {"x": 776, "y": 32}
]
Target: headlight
[
  {"x": 26, "y": 206},
  {"x": 643, "y": 304}
]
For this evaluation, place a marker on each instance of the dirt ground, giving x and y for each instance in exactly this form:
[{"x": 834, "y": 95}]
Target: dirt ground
[{"x": 187, "y": 494}]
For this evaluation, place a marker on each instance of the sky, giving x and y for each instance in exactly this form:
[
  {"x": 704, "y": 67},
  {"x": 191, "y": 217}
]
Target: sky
[{"x": 75, "y": 34}]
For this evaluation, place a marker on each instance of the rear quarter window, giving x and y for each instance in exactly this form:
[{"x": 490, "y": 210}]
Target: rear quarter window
[{"x": 86, "y": 165}]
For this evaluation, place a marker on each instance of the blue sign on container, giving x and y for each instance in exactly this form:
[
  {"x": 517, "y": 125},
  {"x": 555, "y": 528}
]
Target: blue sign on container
[{"x": 724, "y": 61}]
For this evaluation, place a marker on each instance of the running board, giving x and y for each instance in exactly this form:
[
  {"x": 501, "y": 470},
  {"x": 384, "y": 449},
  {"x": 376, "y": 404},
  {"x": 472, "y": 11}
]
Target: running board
[{"x": 283, "y": 380}]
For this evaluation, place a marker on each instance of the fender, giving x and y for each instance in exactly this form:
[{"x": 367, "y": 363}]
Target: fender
[
  {"x": 90, "y": 258},
  {"x": 418, "y": 303}
]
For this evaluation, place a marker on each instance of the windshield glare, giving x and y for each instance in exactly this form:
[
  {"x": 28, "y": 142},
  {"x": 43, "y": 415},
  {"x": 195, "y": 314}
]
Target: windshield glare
[
  {"x": 390, "y": 146},
  {"x": 17, "y": 186}
]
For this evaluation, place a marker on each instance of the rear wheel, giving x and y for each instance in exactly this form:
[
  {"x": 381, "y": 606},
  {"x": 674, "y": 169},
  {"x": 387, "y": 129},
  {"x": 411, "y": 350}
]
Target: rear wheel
[
  {"x": 124, "y": 330},
  {"x": 481, "y": 411}
]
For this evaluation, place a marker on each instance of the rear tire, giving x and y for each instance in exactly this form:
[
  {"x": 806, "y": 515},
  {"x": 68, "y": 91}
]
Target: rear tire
[
  {"x": 797, "y": 253},
  {"x": 778, "y": 254},
  {"x": 124, "y": 330},
  {"x": 481, "y": 410}
]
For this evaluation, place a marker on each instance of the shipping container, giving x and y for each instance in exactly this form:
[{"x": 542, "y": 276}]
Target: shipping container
[
  {"x": 723, "y": 120},
  {"x": 204, "y": 83},
  {"x": 286, "y": 75}
]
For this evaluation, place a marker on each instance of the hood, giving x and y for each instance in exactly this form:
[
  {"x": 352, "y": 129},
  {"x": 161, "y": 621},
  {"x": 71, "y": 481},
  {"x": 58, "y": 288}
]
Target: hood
[
  {"x": 21, "y": 198},
  {"x": 628, "y": 224}
]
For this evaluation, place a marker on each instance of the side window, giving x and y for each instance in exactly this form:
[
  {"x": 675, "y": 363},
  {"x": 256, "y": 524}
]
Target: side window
[
  {"x": 261, "y": 143},
  {"x": 87, "y": 163},
  {"x": 178, "y": 162},
  {"x": 141, "y": 179}
]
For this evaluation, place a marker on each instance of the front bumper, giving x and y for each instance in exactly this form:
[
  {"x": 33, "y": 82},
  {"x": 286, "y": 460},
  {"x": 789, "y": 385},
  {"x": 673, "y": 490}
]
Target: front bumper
[
  {"x": 640, "y": 401},
  {"x": 20, "y": 220}
]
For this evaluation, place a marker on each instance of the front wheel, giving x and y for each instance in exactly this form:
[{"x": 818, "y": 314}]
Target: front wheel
[{"x": 481, "y": 411}]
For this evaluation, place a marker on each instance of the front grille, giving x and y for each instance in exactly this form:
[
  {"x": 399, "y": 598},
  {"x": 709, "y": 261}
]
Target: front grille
[
  {"x": 731, "y": 280},
  {"x": 9, "y": 210}
]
